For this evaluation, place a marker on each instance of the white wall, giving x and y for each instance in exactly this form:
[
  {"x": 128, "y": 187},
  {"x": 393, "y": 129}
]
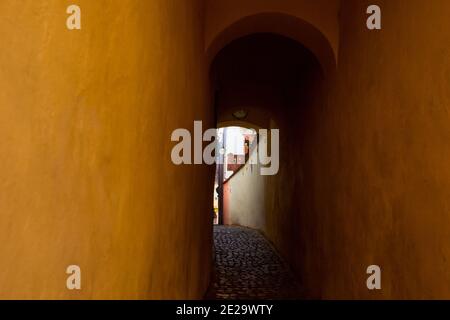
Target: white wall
[{"x": 245, "y": 196}]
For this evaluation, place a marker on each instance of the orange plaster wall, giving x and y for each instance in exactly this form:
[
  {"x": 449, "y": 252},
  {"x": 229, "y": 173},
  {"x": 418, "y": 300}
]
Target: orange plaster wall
[
  {"x": 86, "y": 175},
  {"x": 371, "y": 161}
]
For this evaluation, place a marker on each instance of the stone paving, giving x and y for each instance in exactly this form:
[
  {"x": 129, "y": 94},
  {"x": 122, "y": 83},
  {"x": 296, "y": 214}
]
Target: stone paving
[{"x": 248, "y": 267}]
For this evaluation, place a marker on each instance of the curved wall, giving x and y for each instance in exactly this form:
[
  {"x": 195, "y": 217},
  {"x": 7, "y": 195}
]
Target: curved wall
[{"x": 312, "y": 23}]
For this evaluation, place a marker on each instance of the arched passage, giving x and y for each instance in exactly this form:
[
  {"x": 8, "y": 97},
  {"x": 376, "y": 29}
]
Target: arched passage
[
  {"x": 279, "y": 23},
  {"x": 271, "y": 79}
]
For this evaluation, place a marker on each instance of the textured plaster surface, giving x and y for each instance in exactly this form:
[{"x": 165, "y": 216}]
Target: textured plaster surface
[
  {"x": 86, "y": 175},
  {"x": 366, "y": 179}
]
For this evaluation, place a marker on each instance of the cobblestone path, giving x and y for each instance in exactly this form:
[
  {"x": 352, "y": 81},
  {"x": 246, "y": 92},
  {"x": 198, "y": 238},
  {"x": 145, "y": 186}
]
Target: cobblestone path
[{"x": 248, "y": 267}]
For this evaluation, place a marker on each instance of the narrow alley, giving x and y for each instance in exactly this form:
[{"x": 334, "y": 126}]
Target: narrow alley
[
  {"x": 119, "y": 150},
  {"x": 248, "y": 267}
]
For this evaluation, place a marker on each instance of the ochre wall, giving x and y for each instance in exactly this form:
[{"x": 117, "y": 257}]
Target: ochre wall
[
  {"x": 86, "y": 175},
  {"x": 371, "y": 161}
]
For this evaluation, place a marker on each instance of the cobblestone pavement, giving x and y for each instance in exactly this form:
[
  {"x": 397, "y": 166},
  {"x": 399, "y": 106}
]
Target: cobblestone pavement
[{"x": 248, "y": 267}]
